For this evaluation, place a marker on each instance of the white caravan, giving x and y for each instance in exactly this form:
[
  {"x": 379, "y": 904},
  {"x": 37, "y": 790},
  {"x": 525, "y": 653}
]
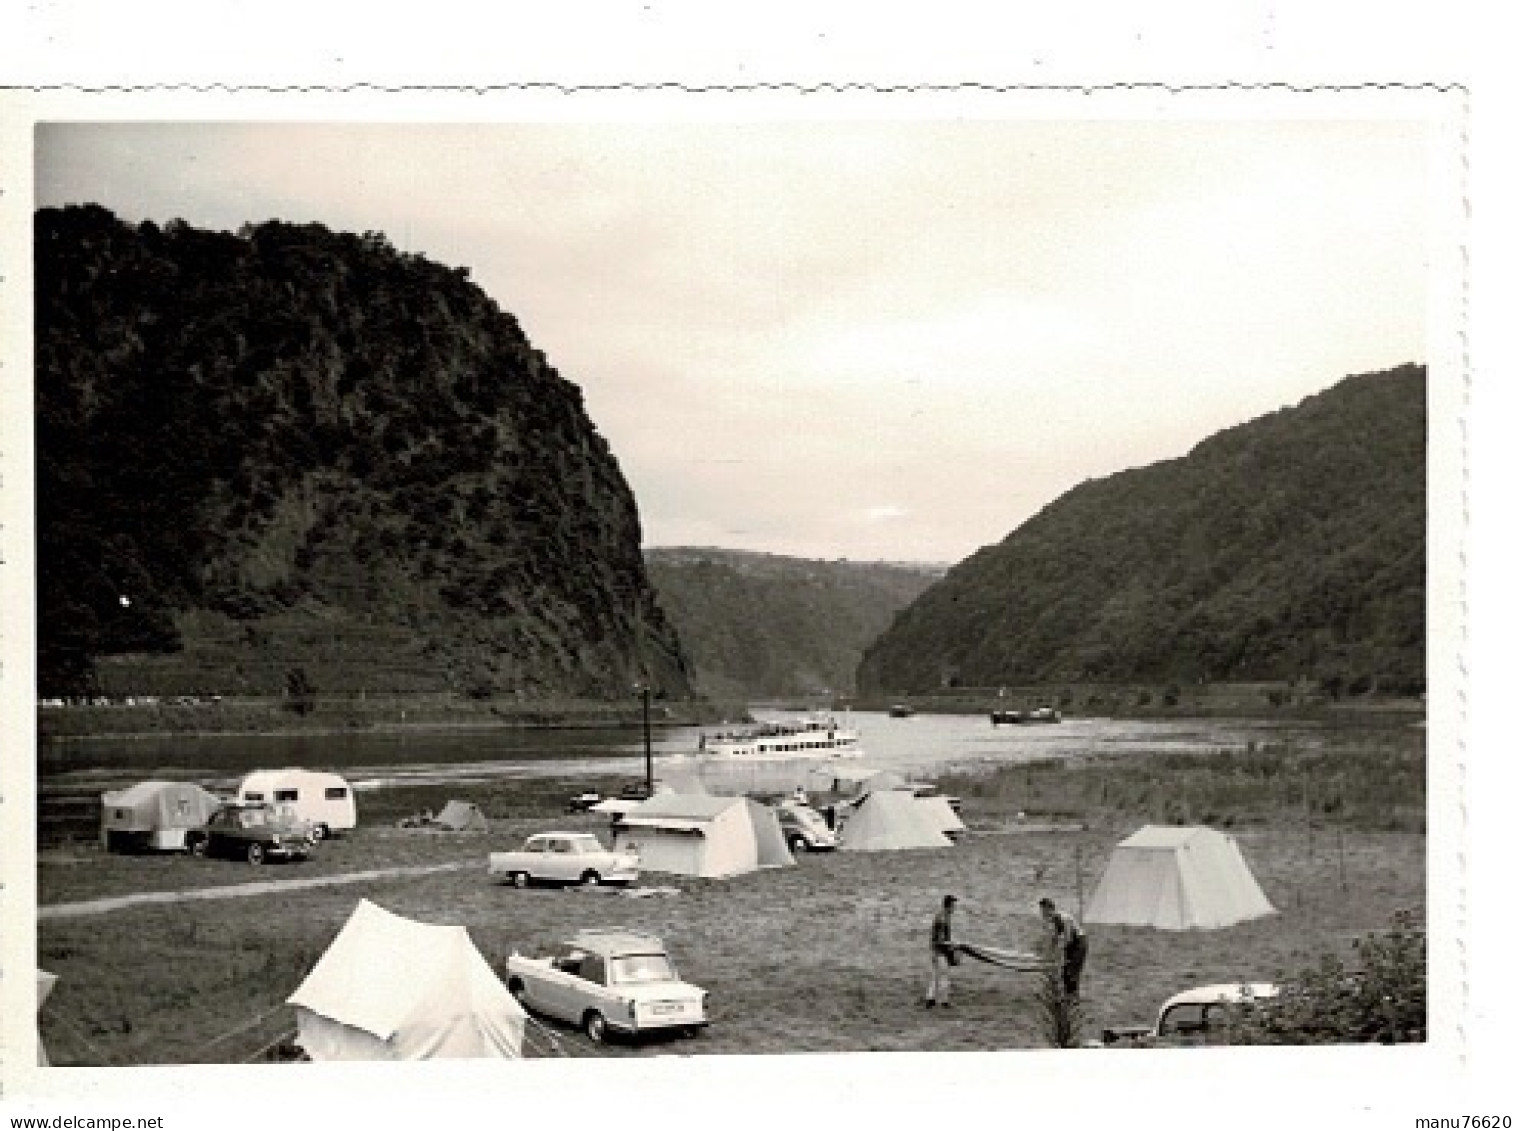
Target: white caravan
[{"x": 326, "y": 800}]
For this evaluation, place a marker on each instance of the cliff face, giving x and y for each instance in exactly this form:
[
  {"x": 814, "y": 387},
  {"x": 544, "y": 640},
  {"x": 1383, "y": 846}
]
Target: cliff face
[
  {"x": 297, "y": 448},
  {"x": 1291, "y": 546},
  {"x": 768, "y": 626}
]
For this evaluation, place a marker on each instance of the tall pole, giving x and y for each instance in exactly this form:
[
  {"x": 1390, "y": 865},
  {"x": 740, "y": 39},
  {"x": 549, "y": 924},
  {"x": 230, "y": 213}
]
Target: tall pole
[{"x": 649, "y": 758}]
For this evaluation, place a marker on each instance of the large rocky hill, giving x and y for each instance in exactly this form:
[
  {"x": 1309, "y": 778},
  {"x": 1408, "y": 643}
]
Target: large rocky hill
[
  {"x": 769, "y": 626},
  {"x": 1292, "y": 546},
  {"x": 292, "y": 450}
]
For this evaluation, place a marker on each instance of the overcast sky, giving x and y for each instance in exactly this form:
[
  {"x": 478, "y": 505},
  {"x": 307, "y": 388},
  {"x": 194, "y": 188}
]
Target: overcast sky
[{"x": 873, "y": 341}]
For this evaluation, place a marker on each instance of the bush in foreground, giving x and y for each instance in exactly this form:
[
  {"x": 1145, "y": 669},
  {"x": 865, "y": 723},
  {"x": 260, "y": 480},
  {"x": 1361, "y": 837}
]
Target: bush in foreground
[{"x": 1383, "y": 1001}]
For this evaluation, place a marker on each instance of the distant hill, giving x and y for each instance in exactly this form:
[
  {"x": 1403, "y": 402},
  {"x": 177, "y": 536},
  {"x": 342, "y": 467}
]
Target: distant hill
[
  {"x": 767, "y": 626},
  {"x": 1291, "y": 546},
  {"x": 296, "y": 457}
]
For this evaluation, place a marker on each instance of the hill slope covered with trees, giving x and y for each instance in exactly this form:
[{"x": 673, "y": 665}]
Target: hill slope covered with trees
[
  {"x": 767, "y": 626},
  {"x": 1292, "y": 546},
  {"x": 295, "y": 450}
]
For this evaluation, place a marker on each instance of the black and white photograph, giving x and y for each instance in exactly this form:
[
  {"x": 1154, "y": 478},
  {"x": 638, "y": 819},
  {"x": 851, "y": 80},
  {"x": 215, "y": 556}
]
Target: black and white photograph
[{"x": 969, "y": 575}]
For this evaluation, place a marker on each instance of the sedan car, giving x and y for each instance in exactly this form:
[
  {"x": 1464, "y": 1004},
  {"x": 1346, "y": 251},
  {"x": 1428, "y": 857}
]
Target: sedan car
[
  {"x": 252, "y": 832},
  {"x": 1201, "y": 1016},
  {"x": 804, "y": 828},
  {"x": 564, "y": 858},
  {"x": 609, "y": 981}
]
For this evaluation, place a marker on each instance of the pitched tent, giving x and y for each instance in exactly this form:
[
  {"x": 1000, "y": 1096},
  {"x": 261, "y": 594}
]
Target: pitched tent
[
  {"x": 463, "y": 817},
  {"x": 882, "y": 779},
  {"x": 841, "y": 778},
  {"x": 938, "y": 809},
  {"x": 891, "y": 818},
  {"x": 701, "y": 835},
  {"x": 1177, "y": 878},
  {"x": 45, "y": 982},
  {"x": 153, "y": 814},
  {"x": 682, "y": 777},
  {"x": 389, "y": 988}
]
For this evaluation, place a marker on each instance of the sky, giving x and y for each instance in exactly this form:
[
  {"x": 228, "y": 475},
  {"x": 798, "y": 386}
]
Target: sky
[{"x": 874, "y": 340}]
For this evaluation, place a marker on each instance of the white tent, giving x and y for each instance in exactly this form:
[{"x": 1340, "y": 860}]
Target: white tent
[
  {"x": 938, "y": 809},
  {"x": 45, "y": 983},
  {"x": 1176, "y": 878},
  {"x": 891, "y": 818},
  {"x": 463, "y": 817},
  {"x": 681, "y": 776},
  {"x": 153, "y": 814},
  {"x": 389, "y": 988},
  {"x": 700, "y": 835}
]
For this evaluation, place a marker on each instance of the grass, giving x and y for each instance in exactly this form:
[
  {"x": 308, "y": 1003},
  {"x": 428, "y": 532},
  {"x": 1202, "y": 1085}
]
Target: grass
[{"x": 830, "y": 955}]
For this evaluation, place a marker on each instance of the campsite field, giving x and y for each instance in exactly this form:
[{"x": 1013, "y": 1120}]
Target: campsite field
[{"x": 827, "y": 956}]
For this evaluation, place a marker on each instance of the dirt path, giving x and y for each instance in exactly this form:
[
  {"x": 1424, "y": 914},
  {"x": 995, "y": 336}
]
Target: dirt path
[{"x": 265, "y": 887}]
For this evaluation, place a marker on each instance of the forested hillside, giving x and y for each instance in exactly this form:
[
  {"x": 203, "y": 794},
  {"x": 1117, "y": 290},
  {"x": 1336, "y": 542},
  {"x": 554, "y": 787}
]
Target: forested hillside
[
  {"x": 766, "y": 626},
  {"x": 1291, "y": 546},
  {"x": 292, "y": 453}
]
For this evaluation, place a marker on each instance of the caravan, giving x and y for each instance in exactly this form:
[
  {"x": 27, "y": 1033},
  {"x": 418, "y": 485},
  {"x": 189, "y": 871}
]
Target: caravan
[{"x": 326, "y": 800}]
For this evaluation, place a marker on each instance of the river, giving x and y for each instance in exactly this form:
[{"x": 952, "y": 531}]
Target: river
[{"x": 72, "y": 773}]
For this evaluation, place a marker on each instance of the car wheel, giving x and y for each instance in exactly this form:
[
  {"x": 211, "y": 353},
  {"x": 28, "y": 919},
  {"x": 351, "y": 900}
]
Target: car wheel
[
  {"x": 590, "y": 878},
  {"x": 321, "y": 832},
  {"x": 256, "y": 854},
  {"x": 691, "y": 1032},
  {"x": 519, "y": 879},
  {"x": 515, "y": 988},
  {"x": 196, "y": 846},
  {"x": 596, "y": 1026},
  {"x": 799, "y": 844}
]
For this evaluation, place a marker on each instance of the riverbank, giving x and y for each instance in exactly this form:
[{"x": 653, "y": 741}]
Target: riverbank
[
  {"x": 134, "y": 717},
  {"x": 1335, "y": 839},
  {"x": 1269, "y": 700}
]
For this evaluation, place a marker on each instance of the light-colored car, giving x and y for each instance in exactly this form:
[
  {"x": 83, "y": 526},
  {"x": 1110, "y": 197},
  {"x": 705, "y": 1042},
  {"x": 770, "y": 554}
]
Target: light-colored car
[
  {"x": 609, "y": 980},
  {"x": 1200, "y": 1016},
  {"x": 564, "y": 858},
  {"x": 805, "y": 828}
]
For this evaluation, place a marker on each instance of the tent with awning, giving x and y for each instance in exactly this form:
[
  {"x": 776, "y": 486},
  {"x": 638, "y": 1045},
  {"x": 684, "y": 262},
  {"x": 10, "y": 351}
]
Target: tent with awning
[{"x": 702, "y": 835}]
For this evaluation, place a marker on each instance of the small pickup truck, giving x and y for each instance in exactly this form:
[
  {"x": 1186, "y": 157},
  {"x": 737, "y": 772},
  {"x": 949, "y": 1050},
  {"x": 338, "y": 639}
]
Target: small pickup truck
[{"x": 564, "y": 858}]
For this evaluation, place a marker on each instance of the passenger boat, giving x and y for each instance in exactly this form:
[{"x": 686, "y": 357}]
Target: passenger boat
[{"x": 813, "y": 736}]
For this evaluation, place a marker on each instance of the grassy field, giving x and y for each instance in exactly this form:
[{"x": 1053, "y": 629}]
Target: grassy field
[{"x": 826, "y": 956}]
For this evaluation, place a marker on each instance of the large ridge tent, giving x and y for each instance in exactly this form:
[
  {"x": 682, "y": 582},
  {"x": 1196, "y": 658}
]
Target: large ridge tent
[
  {"x": 45, "y": 983},
  {"x": 891, "y": 818},
  {"x": 938, "y": 808},
  {"x": 153, "y": 814},
  {"x": 462, "y": 817},
  {"x": 390, "y": 988},
  {"x": 681, "y": 777},
  {"x": 701, "y": 835},
  {"x": 1177, "y": 878}
]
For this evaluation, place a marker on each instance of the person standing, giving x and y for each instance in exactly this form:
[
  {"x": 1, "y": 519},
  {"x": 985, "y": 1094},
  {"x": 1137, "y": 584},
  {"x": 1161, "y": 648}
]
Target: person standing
[
  {"x": 942, "y": 955},
  {"x": 1069, "y": 943}
]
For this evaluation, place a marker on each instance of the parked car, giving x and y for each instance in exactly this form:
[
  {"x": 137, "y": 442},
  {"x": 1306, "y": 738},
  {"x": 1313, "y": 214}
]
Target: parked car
[
  {"x": 252, "y": 832},
  {"x": 565, "y": 858},
  {"x": 1200, "y": 1016},
  {"x": 606, "y": 981},
  {"x": 583, "y": 801},
  {"x": 805, "y": 828}
]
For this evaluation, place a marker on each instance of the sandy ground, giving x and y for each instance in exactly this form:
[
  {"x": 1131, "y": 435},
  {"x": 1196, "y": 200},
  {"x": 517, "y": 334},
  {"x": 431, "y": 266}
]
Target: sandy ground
[{"x": 830, "y": 955}]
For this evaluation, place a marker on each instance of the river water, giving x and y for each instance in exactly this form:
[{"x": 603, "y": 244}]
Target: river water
[{"x": 72, "y": 773}]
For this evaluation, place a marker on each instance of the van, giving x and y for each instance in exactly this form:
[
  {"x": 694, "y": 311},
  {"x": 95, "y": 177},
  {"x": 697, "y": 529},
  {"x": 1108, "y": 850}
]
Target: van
[{"x": 324, "y": 799}]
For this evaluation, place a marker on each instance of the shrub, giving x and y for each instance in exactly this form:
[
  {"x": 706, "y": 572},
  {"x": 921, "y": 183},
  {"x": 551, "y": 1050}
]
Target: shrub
[{"x": 1384, "y": 1001}]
